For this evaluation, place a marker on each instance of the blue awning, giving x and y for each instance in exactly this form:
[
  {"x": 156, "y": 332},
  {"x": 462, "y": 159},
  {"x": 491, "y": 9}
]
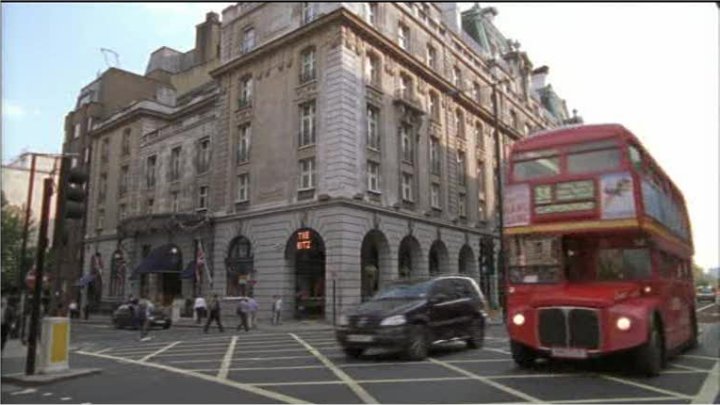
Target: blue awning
[
  {"x": 85, "y": 280},
  {"x": 164, "y": 259}
]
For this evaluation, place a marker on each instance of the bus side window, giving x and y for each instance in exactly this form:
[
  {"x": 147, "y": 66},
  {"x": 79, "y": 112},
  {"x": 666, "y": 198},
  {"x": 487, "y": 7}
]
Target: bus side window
[{"x": 635, "y": 157}]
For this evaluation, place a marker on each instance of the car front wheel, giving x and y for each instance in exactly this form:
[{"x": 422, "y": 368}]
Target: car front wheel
[{"x": 418, "y": 344}]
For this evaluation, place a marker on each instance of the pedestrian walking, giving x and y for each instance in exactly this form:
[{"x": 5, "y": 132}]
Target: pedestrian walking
[
  {"x": 276, "y": 309},
  {"x": 214, "y": 314},
  {"x": 243, "y": 311},
  {"x": 74, "y": 310},
  {"x": 143, "y": 311},
  {"x": 253, "y": 307},
  {"x": 200, "y": 308},
  {"x": 8, "y": 317}
]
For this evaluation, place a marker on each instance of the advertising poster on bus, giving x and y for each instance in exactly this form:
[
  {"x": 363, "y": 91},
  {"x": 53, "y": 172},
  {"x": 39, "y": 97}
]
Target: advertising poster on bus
[
  {"x": 617, "y": 196},
  {"x": 517, "y": 205}
]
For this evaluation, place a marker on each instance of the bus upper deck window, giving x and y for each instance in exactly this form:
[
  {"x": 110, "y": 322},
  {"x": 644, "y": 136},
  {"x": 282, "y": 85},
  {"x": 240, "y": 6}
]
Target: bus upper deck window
[
  {"x": 635, "y": 157},
  {"x": 536, "y": 168},
  {"x": 585, "y": 162}
]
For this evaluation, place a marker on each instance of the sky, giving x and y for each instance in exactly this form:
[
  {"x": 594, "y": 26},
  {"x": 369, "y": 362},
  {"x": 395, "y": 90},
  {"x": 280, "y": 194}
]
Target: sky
[{"x": 650, "y": 67}]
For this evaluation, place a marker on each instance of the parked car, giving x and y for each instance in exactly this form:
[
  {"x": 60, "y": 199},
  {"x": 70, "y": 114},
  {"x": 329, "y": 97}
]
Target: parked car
[
  {"x": 123, "y": 318},
  {"x": 705, "y": 293},
  {"x": 411, "y": 316}
]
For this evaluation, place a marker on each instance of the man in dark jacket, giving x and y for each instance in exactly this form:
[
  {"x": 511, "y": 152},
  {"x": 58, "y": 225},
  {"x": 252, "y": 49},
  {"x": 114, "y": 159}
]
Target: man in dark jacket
[{"x": 214, "y": 314}]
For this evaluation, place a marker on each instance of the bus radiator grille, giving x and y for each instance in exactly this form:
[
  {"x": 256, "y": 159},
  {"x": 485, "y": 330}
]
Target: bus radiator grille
[
  {"x": 552, "y": 328},
  {"x": 584, "y": 328}
]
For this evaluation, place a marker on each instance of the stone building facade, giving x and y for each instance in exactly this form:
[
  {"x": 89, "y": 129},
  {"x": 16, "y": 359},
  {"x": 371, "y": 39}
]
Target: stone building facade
[{"x": 332, "y": 148}]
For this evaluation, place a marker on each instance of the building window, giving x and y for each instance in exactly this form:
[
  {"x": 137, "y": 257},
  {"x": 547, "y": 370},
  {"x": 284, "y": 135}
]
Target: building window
[
  {"x": 435, "y": 195},
  {"x": 481, "y": 179},
  {"x": 459, "y": 124},
  {"x": 373, "y": 177},
  {"x": 404, "y": 37},
  {"x": 482, "y": 212},
  {"x": 461, "y": 169},
  {"x": 125, "y": 147},
  {"x": 479, "y": 136},
  {"x": 406, "y": 143},
  {"x": 102, "y": 188},
  {"x": 150, "y": 205},
  {"x": 175, "y": 163},
  {"x": 124, "y": 180},
  {"x": 245, "y": 91},
  {"x": 105, "y": 150},
  {"x": 100, "y": 219},
  {"x": 407, "y": 187},
  {"x": 307, "y": 174},
  {"x": 405, "y": 86},
  {"x": 373, "y": 135},
  {"x": 248, "y": 41},
  {"x": 373, "y": 69},
  {"x": 462, "y": 206},
  {"x": 307, "y": 123},
  {"x": 203, "y": 162},
  {"x": 434, "y": 156},
  {"x": 431, "y": 56},
  {"x": 434, "y": 106},
  {"x": 74, "y": 161},
  {"x": 243, "y": 187},
  {"x": 477, "y": 92},
  {"x": 202, "y": 198},
  {"x": 122, "y": 212},
  {"x": 307, "y": 68},
  {"x": 150, "y": 171},
  {"x": 175, "y": 202},
  {"x": 86, "y": 155},
  {"x": 243, "y": 144},
  {"x": 308, "y": 12},
  {"x": 514, "y": 119},
  {"x": 457, "y": 77},
  {"x": 76, "y": 131},
  {"x": 239, "y": 264},
  {"x": 373, "y": 13}
]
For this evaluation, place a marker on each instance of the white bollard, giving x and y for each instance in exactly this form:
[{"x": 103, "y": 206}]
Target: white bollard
[{"x": 54, "y": 345}]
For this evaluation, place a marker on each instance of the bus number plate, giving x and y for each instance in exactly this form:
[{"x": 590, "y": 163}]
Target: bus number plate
[{"x": 569, "y": 353}]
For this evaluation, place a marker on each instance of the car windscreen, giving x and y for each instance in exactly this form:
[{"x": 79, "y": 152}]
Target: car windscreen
[{"x": 404, "y": 291}]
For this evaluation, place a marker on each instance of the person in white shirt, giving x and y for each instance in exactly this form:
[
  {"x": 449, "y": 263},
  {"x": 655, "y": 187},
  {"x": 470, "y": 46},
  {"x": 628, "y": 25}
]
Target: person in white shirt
[
  {"x": 276, "y": 309},
  {"x": 200, "y": 308}
]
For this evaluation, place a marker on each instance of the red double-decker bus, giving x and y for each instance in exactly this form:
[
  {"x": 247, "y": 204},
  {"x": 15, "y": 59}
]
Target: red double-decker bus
[{"x": 599, "y": 250}]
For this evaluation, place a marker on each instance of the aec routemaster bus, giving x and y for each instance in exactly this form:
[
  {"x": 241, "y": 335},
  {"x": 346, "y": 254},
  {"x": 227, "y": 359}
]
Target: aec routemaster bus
[{"x": 598, "y": 248}]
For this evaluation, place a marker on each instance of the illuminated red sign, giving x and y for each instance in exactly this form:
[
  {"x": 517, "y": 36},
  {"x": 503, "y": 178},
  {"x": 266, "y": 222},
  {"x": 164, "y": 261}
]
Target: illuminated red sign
[{"x": 304, "y": 242}]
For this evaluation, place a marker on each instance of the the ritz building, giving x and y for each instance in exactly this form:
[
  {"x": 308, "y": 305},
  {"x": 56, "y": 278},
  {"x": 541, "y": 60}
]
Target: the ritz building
[{"x": 314, "y": 151}]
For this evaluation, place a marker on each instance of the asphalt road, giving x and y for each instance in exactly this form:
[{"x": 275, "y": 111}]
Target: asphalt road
[{"x": 187, "y": 366}]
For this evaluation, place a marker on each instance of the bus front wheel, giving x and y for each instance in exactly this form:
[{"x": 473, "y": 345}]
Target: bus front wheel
[
  {"x": 649, "y": 357},
  {"x": 523, "y": 355}
]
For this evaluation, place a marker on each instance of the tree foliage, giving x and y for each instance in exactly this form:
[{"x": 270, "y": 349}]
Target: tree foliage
[{"x": 11, "y": 230}]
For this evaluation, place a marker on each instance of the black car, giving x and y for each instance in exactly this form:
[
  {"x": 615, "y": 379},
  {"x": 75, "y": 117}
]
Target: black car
[
  {"x": 410, "y": 316},
  {"x": 123, "y": 318}
]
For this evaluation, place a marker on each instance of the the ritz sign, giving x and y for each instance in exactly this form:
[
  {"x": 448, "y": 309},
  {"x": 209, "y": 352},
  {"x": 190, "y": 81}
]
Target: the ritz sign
[{"x": 304, "y": 241}]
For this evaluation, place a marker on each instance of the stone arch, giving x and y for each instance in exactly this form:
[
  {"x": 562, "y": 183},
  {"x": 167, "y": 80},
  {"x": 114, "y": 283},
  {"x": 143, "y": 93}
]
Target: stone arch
[
  {"x": 409, "y": 256},
  {"x": 438, "y": 262},
  {"x": 375, "y": 263},
  {"x": 466, "y": 262}
]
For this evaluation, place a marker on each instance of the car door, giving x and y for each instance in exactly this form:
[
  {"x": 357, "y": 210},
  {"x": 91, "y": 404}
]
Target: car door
[
  {"x": 466, "y": 304},
  {"x": 443, "y": 309}
]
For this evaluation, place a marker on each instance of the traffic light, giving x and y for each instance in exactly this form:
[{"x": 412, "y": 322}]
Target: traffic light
[{"x": 75, "y": 193}]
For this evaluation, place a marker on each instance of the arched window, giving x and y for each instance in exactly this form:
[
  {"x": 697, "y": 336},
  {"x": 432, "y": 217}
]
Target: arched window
[{"x": 240, "y": 267}]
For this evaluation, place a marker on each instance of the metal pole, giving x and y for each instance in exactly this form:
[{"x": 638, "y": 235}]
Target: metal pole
[
  {"x": 334, "y": 303},
  {"x": 499, "y": 202},
  {"x": 37, "y": 295},
  {"x": 198, "y": 286},
  {"x": 23, "y": 247}
]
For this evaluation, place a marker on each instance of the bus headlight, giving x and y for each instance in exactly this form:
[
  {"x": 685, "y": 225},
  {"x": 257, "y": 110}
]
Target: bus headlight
[
  {"x": 623, "y": 323},
  {"x": 518, "y": 319}
]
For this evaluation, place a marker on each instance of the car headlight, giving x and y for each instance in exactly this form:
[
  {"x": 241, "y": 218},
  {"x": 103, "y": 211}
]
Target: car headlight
[
  {"x": 393, "y": 320},
  {"x": 623, "y": 323},
  {"x": 152, "y": 318},
  {"x": 518, "y": 319},
  {"x": 343, "y": 320}
]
